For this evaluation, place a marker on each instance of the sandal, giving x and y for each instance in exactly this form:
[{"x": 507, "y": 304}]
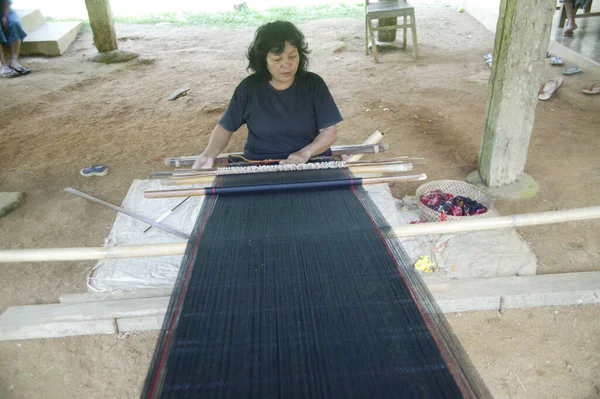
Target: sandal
[
  {"x": 572, "y": 70},
  {"x": 547, "y": 89},
  {"x": 594, "y": 89}
]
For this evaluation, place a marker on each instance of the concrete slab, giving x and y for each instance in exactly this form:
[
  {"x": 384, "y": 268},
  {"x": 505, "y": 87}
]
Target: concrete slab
[
  {"x": 31, "y": 19},
  {"x": 51, "y": 39},
  {"x": 524, "y": 188},
  {"x": 10, "y": 201},
  {"x": 515, "y": 292},
  {"x": 143, "y": 314}
]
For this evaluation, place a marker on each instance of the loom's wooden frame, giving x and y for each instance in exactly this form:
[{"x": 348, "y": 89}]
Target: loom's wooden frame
[
  {"x": 199, "y": 192},
  {"x": 137, "y": 251},
  {"x": 363, "y": 168},
  {"x": 336, "y": 150}
]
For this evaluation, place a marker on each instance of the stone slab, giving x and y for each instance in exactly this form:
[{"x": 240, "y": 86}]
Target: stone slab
[
  {"x": 525, "y": 187},
  {"x": 10, "y": 201},
  {"x": 31, "y": 19},
  {"x": 143, "y": 314},
  {"x": 51, "y": 39},
  {"x": 113, "y": 296},
  {"x": 515, "y": 292},
  {"x": 143, "y": 323}
]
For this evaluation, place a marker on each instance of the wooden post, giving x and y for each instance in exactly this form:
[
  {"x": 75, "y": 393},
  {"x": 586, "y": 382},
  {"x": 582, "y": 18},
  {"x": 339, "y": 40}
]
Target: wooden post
[
  {"x": 387, "y": 35},
  {"x": 103, "y": 27},
  {"x": 522, "y": 37}
]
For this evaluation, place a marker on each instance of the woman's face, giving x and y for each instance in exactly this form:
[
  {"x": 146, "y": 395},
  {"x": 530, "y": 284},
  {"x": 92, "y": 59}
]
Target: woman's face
[{"x": 283, "y": 66}]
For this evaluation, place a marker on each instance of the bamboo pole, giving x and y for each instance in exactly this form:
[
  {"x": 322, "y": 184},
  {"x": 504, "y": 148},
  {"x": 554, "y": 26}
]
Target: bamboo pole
[
  {"x": 500, "y": 222},
  {"x": 356, "y": 170},
  {"x": 66, "y": 254},
  {"x": 487, "y": 223},
  {"x": 336, "y": 150},
  {"x": 373, "y": 139},
  {"x": 198, "y": 192}
]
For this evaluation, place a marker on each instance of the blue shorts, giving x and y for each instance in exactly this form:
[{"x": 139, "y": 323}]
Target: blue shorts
[{"x": 14, "y": 31}]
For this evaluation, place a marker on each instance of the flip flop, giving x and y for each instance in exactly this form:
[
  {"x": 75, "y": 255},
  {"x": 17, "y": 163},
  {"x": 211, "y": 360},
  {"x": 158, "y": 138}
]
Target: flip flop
[
  {"x": 556, "y": 61},
  {"x": 547, "y": 89},
  {"x": 11, "y": 74},
  {"x": 572, "y": 70},
  {"x": 94, "y": 170},
  {"x": 22, "y": 70},
  {"x": 594, "y": 89}
]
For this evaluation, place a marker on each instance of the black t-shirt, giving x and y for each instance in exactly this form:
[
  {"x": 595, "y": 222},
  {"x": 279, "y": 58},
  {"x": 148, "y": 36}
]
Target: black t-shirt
[{"x": 280, "y": 122}]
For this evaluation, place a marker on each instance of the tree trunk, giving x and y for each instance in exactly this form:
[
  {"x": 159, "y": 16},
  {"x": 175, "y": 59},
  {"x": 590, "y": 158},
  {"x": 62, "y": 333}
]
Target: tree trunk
[
  {"x": 103, "y": 27},
  {"x": 522, "y": 36},
  {"x": 387, "y": 35}
]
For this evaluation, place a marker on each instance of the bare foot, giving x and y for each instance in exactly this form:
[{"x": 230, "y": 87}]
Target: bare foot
[{"x": 569, "y": 28}]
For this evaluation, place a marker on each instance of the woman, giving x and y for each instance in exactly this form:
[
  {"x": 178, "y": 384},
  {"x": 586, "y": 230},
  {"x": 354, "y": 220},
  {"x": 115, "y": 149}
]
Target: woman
[
  {"x": 289, "y": 111},
  {"x": 11, "y": 36},
  {"x": 571, "y": 6}
]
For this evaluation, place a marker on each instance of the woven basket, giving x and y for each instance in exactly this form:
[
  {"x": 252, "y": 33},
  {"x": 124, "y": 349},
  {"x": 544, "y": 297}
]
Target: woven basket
[{"x": 454, "y": 187}]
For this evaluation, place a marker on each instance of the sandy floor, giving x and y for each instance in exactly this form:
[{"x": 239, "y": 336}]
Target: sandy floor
[{"x": 70, "y": 113}]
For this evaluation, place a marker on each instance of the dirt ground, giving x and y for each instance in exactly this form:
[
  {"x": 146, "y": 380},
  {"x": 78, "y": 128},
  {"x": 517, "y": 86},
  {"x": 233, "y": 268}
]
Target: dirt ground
[{"x": 70, "y": 113}]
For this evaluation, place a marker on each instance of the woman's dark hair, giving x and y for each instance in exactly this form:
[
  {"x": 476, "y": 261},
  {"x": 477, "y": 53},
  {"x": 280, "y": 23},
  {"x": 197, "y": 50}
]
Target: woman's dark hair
[{"x": 271, "y": 38}]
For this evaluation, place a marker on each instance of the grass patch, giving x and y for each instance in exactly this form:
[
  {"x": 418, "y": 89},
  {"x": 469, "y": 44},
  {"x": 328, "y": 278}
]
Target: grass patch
[{"x": 246, "y": 16}]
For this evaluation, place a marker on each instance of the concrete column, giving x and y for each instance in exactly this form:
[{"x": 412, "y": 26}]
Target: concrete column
[
  {"x": 103, "y": 27},
  {"x": 522, "y": 37}
]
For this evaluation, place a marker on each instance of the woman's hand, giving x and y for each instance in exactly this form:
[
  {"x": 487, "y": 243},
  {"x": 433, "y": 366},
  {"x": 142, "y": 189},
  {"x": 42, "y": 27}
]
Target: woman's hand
[
  {"x": 301, "y": 156},
  {"x": 203, "y": 162}
]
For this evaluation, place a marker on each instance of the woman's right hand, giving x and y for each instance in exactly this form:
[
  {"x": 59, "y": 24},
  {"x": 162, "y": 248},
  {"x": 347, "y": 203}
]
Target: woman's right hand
[{"x": 203, "y": 162}]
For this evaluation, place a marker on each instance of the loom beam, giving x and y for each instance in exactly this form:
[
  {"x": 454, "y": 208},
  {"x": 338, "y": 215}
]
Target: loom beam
[{"x": 133, "y": 251}]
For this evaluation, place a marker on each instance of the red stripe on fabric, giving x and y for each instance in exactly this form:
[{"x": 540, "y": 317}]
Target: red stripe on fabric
[
  {"x": 179, "y": 301},
  {"x": 425, "y": 316}
]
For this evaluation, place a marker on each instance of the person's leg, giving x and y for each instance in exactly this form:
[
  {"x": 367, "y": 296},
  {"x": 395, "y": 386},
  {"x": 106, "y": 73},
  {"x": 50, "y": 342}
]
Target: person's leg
[
  {"x": 570, "y": 26},
  {"x": 15, "y": 35},
  {"x": 5, "y": 70}
]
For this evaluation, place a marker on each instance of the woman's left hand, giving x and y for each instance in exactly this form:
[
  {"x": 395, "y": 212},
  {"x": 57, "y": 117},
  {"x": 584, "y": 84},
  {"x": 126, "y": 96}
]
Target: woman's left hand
[{"x": 301, "y": 156}]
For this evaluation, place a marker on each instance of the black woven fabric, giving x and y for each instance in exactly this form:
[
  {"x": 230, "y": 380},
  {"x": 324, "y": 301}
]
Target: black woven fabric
[{"x": 300, "y": 295}]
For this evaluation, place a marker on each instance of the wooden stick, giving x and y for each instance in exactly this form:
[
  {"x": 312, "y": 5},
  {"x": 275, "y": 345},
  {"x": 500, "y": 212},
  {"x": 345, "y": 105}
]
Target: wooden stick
[
  {"x": 129, "y": 213},
  {"x": 279, "y": 187},
  {"x": 356, "y": 170},
  {"x": 487, "y": 223},
  {"x": 214, "y": 171},
  {"x": 336, "y": 150},
  {"x": 500, "y": 222},
  {"x": 373, "y": 139},
  {"x": 167, "y": 213},
  {"x": 65, "y": 254}
]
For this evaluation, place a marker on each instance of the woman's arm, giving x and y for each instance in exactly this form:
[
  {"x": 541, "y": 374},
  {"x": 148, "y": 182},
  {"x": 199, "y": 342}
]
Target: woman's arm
[
  {"x": 218, "y": 141},
  {"x": 320, "y": 144},
  {"x": 4, "y": 13}
]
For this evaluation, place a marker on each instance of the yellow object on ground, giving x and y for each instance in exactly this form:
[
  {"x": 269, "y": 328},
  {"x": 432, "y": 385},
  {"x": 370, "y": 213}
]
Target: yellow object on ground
[{"x": 424, "y": 264}]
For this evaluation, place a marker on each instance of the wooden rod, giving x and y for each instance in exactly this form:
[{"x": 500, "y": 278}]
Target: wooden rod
[
  {"x": 373, "y": 139},
  {"x": 129, "y": 213},
  {"x": 215, "y": 171},
  {"x": 359, "y": 169},
  {"x": 65, "y": 254},
  {"x": 279, "y": 187},
  {"x": 336, "y": 150},
  {"x": 133, "y": 251},
  {"x": 500, "y": 222}
]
